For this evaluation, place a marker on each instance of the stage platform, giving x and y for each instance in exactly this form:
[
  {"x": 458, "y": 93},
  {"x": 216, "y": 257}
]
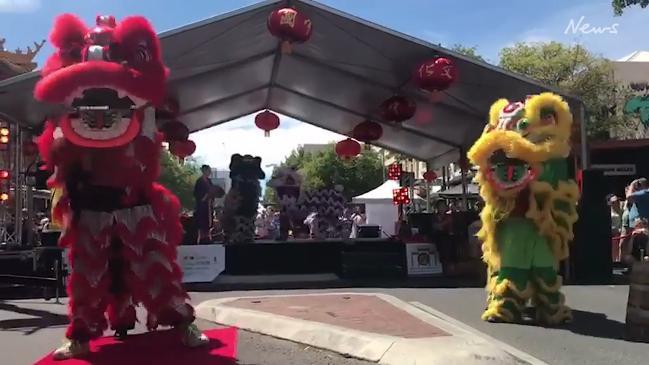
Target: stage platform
[{"x": 345, "y": 258}]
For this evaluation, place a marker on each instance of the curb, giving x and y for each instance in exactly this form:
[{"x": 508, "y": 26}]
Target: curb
[{"x": 465, "y": 346}]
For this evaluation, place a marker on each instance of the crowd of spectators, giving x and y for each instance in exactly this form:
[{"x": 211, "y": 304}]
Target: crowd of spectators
[{"x": 630, "y": 223}]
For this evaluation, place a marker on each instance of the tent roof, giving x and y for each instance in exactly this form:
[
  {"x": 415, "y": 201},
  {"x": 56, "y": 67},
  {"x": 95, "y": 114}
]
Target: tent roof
[
  {"x": 229, "y": 66},
  {"x": 382, "y": 193},
  {"x": 636, "y": 56}
]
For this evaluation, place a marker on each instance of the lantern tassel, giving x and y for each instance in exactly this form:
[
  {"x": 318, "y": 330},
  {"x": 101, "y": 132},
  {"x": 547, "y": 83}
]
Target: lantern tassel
[
  {"x": 266, "y": 133},
  {"x": 287, "y": 48},
  {"x": 435, "y": 96}
]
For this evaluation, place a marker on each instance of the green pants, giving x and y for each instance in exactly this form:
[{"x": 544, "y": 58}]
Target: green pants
[{"x": 527, "y": 274}]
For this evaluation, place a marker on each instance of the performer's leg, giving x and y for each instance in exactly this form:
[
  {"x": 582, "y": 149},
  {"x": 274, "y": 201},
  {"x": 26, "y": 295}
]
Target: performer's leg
[
  {"x": 549, "y": 301},
  {"x": 156, "y": 274},
  {"x": 508, "y": 286},
  {"x": 163, "y": 295},
  {"x": 121, "y": 309},
  {"x": 87, "y": 293},
  {"x": 121, "y": 315}
]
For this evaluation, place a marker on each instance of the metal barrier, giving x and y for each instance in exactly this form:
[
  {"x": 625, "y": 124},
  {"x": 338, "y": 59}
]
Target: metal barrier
[{"x": 48, "y": 273}]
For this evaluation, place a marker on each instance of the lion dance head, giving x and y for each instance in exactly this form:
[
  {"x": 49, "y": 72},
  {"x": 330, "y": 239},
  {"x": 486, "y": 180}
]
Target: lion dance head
[
  {"x": 105, "y": 75},
  {"x": 519, "y": 137},
  {"x": 512, "y": 156}
]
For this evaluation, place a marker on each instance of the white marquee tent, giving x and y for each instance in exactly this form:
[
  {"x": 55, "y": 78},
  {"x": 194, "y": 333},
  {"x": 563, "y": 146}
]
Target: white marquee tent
[{"x": 379, "y": 208}]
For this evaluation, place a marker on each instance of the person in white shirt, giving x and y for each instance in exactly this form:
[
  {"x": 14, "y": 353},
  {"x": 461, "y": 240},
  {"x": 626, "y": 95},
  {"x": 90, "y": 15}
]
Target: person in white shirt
[{"x": 358, "y": 219}]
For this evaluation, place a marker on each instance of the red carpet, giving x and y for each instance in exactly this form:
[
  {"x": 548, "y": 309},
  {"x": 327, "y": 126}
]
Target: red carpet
[{"x": 159, "y": 348}]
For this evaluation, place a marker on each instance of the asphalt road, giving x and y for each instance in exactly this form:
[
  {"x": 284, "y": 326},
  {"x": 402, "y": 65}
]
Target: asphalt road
[{"x": 30, "y": 328}]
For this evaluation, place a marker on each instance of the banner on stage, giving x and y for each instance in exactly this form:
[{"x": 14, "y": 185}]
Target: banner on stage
[
  {"x": 200, "y": 264},
  {"x": 423, "y": 259}
]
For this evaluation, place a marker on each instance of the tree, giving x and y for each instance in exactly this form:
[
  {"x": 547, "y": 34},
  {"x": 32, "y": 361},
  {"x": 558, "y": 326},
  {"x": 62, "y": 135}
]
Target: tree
[
  {"x": 620, "y": 5},
  {"x": 325, "y": 169},
  {"x": 575, "y": 71},
  {"x": 468, "y": 51},
  {"x": 179, "y": 178}
]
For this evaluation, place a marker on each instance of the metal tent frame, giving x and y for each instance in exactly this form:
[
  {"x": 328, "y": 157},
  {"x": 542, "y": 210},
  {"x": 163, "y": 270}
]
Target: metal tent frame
[{"x": 229, "y": 66}]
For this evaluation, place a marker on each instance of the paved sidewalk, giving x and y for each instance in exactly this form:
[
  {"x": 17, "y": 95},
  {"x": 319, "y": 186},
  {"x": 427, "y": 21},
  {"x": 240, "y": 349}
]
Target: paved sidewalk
[{"x": 370, "y": 326}]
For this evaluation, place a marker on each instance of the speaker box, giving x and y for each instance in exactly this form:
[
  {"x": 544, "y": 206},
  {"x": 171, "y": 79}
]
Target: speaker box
[{"x": 591, "y": 251}]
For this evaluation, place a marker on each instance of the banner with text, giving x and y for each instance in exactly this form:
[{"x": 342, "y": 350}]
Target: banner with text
[
  {"x": 200, "y": 264},
  {"x": 423, "y": 259}
]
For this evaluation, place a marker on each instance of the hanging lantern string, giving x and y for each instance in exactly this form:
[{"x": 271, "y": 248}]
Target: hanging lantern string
[{"x": 286, "y": 47}]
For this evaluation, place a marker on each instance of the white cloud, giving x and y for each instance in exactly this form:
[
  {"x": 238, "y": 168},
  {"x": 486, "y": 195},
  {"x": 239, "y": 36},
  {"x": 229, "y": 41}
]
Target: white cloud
[
  {"x": 19, "y": 6},
  {"x": 216, "y": 145}
]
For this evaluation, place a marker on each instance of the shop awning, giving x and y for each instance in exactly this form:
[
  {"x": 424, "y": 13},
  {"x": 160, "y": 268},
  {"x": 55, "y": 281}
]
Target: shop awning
[{"x": 230, "y": 66}]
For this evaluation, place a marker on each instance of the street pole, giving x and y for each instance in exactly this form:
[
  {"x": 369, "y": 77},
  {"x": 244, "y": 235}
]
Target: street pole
[
  {"x": 383, "y": 163},
  {"x": 583, "y": 136}
]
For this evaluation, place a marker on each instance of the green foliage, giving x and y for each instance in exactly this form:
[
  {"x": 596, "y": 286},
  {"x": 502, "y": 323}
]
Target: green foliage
[
  {"x": 324, "y": 169},
  {"x": 270, "y": 196},
  {"x": 575, "y": 71},
  {"x": 468, "y": 51},
  {"x": 620, "y": 5},
  {"x": 179, "y": 178}
]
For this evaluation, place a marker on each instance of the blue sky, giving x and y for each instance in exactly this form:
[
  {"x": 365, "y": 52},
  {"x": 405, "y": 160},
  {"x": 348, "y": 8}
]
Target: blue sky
[{"x": 489, "y": 25}]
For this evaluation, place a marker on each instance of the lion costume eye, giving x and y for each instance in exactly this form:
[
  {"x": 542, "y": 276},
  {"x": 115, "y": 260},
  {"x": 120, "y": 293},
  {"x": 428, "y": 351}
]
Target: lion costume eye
[
  {"x": 71, "y": 53},
  {"x": 142, "y": 54},
  {"x": 522, "y": 125}
]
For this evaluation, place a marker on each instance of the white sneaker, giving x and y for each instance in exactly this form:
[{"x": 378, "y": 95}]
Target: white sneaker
[
  {"x": 71, "y": 349},
  {"x": 193, "y": 337}
]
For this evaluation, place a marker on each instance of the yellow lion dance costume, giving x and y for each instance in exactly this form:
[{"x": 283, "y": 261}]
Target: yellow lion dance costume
[{"x": 530, "y": 206}]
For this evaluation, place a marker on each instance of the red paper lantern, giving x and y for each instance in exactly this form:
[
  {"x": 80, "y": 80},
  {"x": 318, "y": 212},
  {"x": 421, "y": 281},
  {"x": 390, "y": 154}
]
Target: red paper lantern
[
  {"x": 175, "y": 131},
  {"x": 400, "y": 196},
  {"x": 430, "y": 176},
  {"x": 290, "y": 26},
  {"x": 182, "y": 149},
  {"x": 30, "y": 148},
  {"x": 168, "y": 110},
  {"x": 367, "y": 132},
  {"x": 579, "y": 177},
  {"x": 436, "y": 74},
  {"x": 397, "y": 109},
  {"x": 394, "y": 171},
  {"x": 267, "y": 121},
  {"x": 347, "y": 149}
]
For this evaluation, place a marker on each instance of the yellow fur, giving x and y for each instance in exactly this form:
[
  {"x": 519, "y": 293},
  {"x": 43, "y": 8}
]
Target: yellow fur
[{"x": 538, "y": 143}]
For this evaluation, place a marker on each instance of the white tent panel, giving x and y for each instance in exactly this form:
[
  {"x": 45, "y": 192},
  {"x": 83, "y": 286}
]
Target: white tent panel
[
  {"x": 382, "y": 193},
  {"x": 379, "y": 208}
]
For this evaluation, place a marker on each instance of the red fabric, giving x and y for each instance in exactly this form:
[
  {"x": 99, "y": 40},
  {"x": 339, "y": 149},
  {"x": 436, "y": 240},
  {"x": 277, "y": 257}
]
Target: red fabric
[
  {"x": 160, "y": 348},
  {"x": 151, "y": 276},
  {"x": 64, "y": 72}
]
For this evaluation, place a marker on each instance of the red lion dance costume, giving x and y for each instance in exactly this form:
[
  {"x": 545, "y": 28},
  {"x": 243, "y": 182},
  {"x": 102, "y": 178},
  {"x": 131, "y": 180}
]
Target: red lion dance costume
[{"x": 121, "y": 227}]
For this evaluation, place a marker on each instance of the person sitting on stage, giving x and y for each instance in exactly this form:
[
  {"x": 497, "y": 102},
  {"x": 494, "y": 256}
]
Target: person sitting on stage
[{"x": 203, "y": 208}]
